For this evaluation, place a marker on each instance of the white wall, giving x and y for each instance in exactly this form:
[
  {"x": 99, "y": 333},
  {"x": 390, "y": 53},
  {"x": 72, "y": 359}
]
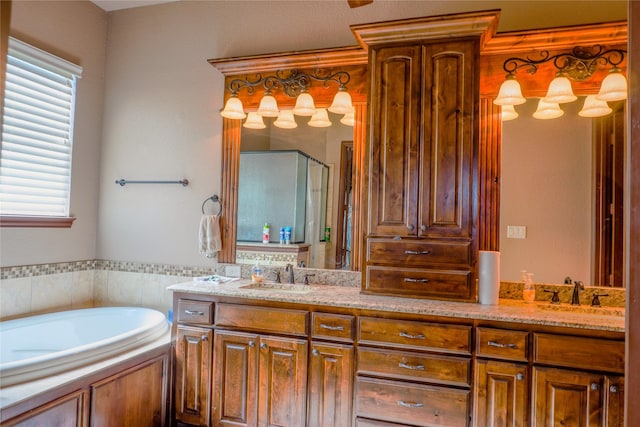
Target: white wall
[
  {"x": 75, "y": 31},
  {"x": 162, "y": 101}
]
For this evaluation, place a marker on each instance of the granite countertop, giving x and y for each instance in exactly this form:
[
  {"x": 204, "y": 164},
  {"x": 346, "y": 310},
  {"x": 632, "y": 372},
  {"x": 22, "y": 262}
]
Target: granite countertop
[{"x": 539, "y": 313}]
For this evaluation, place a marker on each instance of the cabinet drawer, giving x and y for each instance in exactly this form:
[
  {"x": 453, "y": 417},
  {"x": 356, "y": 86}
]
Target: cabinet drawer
[
  {"x": 195, "y": 312},
  {"x": 418, "y": 253},
  {"x": 502, "y": 344},
  {"x": 449, "y": 284},
  {"x": 363, "y": 422},
  {"x": 579, "y": 352},
  {"x": 263, "y": 319},
  {"x": 410, "y": 366},
  {"x": 415, "y": 335},
  {"x": 415, "y": 404},
  {"x": 336, "y": 327}
]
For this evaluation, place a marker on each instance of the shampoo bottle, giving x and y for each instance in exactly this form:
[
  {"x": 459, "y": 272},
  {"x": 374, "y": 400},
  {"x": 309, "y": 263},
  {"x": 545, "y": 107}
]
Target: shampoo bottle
[{"x": 265, "y": 233}]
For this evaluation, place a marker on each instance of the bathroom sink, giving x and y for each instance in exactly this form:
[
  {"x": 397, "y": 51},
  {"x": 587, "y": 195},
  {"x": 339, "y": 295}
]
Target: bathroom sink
[
  {"x": 273, "y": 286},
  {"x": 583, "y": 309}
]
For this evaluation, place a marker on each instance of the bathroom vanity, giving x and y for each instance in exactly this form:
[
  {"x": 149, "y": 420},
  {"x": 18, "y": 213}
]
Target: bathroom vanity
[{"x": 332, "y": 356}]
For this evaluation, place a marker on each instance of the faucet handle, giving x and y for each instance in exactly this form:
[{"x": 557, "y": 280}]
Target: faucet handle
[
  {"x": 555, "y": 299},
  {"x": 595, "y": 302},
  {"x": 277, "y": 278},
  {"x": 305, "y": 281}
]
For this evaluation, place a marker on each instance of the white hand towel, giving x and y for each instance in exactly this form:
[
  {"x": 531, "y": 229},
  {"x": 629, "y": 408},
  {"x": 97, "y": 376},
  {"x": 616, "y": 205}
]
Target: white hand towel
[{"x": 209, "y": 235}]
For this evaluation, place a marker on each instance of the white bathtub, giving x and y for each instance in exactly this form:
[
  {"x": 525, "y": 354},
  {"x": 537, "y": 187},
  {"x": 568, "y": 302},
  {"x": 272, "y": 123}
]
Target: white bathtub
[{"x": 44, "y": 345}]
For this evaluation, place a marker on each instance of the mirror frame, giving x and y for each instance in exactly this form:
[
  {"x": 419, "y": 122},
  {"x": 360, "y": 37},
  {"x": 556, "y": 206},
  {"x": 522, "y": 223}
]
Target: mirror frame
[{"x": 353, "y": 60}]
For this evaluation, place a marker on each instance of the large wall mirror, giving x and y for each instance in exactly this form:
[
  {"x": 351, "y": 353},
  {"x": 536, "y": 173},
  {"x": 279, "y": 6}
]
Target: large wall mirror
[
  {"x": 551, "y": 262},
  {"x": 561, "y": 180}
]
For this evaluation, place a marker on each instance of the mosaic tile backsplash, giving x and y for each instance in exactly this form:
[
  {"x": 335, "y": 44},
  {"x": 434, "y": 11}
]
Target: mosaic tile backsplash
[{"x": 33, "y": 289}]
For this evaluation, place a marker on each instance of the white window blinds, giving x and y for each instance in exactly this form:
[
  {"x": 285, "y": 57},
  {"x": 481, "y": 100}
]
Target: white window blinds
[{"x": 37, "y": 132}]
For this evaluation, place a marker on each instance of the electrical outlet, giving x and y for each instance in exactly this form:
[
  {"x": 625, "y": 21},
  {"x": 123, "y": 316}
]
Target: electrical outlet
[
  {"x": 232, "y": 271},
  {"x": 516, "y": 232}
]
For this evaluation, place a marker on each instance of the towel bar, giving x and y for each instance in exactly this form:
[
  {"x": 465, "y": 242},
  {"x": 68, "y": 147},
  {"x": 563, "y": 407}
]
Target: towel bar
[{"x": 124, "y": 182}]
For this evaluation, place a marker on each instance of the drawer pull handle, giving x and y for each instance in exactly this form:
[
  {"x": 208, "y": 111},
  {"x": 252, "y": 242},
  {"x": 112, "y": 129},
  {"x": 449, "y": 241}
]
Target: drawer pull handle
[
  {"x": 417, "y": 252},
  {"x": 331, "y": 327},
  {"x": 411, "y": 336},
  {"x": 410, "y": 404},
  {"x": 500, "y": 345},
  {"x": 411, "y": 280},
  {"x": 411, "y": 367},
  {"x": 194, "y": 313}
]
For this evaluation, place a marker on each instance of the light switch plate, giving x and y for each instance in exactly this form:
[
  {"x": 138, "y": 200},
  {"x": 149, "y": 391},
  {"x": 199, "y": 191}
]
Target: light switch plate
[
  {"x": 232, "y": 271},
  {"x": 516, "y": 232}
]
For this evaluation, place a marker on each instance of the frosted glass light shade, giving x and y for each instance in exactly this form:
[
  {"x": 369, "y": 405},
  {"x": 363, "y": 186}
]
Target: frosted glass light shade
[
  {"x": 594, "y": 107},
  {"x": 233, "y": 109},
  {"x": 614, "y": 87},
  {"x": 510, "y": 93},
  {"x": 268, "y": 106},
  {"x": 304, "y": 105},
  {"x": 508, "y": 113},
  {"x": 320, "y": 119},
  {"x": 547, "y": 110},
  {"x": 254, "y": 121},
  {"x": 560, "y": 91},
  {"x": 285, "y": 120},
  {"x": 349, "y": 118},
  {"x": 341, "y": 103}
]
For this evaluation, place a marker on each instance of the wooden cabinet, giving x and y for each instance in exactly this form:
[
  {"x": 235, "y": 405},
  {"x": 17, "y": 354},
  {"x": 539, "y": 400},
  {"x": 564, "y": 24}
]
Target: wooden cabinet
[
  {"x": 193, "y": 374},
  {"x": 574, "y": 380},
  {"x": 331, "y": 370},
  {"x": 260, "y": 380},
  {"x": 412, "y": 372},
  {"x": 421, "y": 219},
  {"x": 193, "y": 359}
]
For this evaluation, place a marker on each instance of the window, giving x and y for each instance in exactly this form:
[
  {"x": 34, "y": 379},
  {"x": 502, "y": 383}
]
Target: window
[{"x": 37, "y": 133}]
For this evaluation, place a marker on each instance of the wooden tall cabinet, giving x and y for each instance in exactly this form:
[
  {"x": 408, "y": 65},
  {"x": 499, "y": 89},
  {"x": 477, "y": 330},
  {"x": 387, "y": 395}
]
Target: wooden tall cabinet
[{"x": 422, "y": 147}]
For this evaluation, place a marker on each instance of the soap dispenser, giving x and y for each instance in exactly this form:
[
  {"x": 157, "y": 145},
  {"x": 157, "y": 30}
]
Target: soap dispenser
[{"x": 256, "y": 273}]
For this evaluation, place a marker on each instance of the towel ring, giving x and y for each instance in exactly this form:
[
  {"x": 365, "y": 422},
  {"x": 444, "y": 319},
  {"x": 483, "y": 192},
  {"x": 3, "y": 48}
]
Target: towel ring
[{"x": 214, "y": 199}]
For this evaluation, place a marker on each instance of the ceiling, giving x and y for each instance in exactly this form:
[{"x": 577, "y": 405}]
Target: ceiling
[{"x": 109, "y": 5}]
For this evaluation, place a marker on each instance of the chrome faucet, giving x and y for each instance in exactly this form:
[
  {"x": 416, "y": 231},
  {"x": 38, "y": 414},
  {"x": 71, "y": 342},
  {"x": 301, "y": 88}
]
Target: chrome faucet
[
  {"x": 577, "y": 287},
  {"x": 292, "y": 278}
]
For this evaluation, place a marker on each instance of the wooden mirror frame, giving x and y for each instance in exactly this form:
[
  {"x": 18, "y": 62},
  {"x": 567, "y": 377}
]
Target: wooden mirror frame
[{"x": 352, "y": 60}]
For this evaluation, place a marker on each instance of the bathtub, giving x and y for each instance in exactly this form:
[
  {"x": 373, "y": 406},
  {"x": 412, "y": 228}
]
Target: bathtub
[{"x": 44, "y": 345}]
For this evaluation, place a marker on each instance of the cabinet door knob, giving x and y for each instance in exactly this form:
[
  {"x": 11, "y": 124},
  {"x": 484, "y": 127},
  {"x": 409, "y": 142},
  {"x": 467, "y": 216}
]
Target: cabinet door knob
[
  {"x": 595, "y": 386},
  {"x": 411, "y": 227},
  {"x": 263, "y": 345},
  {"x": 251, "y": 344},
  {"x": 613, "y": 388},
  {"x": 519, "y": 376},
  {"x": 315, "y": 352},
  {"x": 423, "y": 227},
  {"x": 204, "y": 338}
]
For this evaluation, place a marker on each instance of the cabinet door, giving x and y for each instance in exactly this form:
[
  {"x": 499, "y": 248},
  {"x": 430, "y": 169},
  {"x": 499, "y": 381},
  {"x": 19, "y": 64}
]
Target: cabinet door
[
  {"x": 235, "y": 373},
  {"x": 282, "y": 382},
  {"x": 68, "y": 411},
  {"x": 193, "y": 374},
  {"x": 614, "y": 402},
  {"x": 330, "y": 385},
  {"x": 393, "y": 145},
  {"x": 567, "y": 398},
  {"x": 501, "y": 394},
  {"x": 449, "y": 104}
]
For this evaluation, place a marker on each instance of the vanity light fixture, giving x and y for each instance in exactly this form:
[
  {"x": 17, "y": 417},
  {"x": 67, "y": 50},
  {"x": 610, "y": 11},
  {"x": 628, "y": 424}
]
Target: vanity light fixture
[
  {"x": 285, "y": 120},
  {"x": 294, "y": 84},
  {"x": 349, "y": 118},
  {"x": 508, "y": 113},
  {"x": 578, "y": 65},
  {"x": 593, "y": 107}
]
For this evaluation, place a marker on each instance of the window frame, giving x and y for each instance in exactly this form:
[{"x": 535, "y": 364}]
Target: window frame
[{"x": 51, "y": 62}]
